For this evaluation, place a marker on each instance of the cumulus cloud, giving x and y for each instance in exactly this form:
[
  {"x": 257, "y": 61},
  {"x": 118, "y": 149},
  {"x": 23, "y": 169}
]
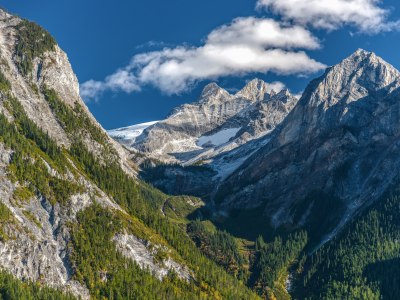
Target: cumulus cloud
[
  {"x": 277, "y": 86},
  {"x": 244, "y": 46},
  {"x": 122, "y": 79},
  {"x": 365, "y": 15},
  {"x": 266, "y": 33}
]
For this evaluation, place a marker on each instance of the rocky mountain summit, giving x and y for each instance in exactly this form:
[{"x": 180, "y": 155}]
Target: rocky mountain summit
[
  {"x": 214, "y": 119},
  {"x": 336, "y": 152},
  {"x": 220, "y": 130}
]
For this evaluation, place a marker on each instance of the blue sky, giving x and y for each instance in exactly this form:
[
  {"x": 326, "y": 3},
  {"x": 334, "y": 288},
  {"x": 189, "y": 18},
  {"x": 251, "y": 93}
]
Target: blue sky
[{"x": 124, "y": 53}]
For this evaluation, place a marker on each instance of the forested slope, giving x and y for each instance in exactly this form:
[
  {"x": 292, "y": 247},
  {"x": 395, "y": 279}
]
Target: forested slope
[{"x": 69, "y": 200}]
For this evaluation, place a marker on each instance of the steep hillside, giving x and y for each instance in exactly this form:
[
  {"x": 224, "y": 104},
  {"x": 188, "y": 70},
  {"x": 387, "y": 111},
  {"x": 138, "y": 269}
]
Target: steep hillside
[
  {"x": 362, "y": 262},
  {"x": 73, "y": 214},
  {"x": 336, "y": 152},
  {"x": 31, "y": 69}
]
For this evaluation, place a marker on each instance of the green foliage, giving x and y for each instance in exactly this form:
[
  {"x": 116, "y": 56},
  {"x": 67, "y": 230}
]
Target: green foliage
[
  {"x": 63, "y": 189},
  {"x": 274, "y": 257},
  {"x": 4, "y": 212},
  {"x": 5, "y": 63},
  {"x": 72, "y": 120},
  {"x": 30, "y": 144},
  {"x": 33, "y": 41},
  {"x": 259, "y": 243},
  {"x": 113, "y": 180},
  {"x": 23, "y": 193},
  {"x": 177, "y": 207},
  {"x": 32, "y": 217},
  {"x": 125, "y": 279},
  {"x": 13, "y": 289},
  {"x": 5, "y": 84},
  {"x": 68, "y": 119},
  {"x": 35, "y": 88},
  {"x": 197, "y": 163},
  {"x": 75, "y": 122},
  {"x": 5, "y": 218},
  {"x": 220, "y": 247},
  {"x": 154, "y": 173},
  {"x": 246, "y": 224},
  {"x": 153, "y": 196},
  {"x": 151, "y": 162},
  {"x": 362, "y": 262},
  {"x": 26, "y": 127}
]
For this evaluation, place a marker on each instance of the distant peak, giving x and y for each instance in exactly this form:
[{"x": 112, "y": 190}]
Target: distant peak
[
  {"x": 255, "y": 90},
  {"x": 256, "y": 85},
  {"x": 362, "y": 51},
  {"x": 284, "y": 92},
  {"x": 284, "y": 96},
  {"x": 362, "y": 73},
  {"x": 209, "y": 87},
  {"x": 210, "y": 90}
]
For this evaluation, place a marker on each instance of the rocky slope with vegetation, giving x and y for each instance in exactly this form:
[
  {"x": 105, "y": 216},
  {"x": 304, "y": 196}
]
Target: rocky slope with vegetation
[
  {"x": 336, "y": 152},
  {"x": 74, "y": 219},
  {"x": 321, "y": 188},
  {"x": 300, "y": 202}
]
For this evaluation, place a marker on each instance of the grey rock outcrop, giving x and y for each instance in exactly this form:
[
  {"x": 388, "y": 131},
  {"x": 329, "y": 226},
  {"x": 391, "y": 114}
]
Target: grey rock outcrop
[
  {"x": 341, "y": 141},
  {"x": 137, "y": 250}
]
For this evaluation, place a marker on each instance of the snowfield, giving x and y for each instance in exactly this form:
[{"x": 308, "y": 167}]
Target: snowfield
[
  {"x": 218, "y": 138},
  {"x": 130, "y": 132}
]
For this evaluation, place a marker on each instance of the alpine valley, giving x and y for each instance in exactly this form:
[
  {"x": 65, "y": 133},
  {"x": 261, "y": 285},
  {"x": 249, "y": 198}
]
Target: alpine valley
[{"x": 253, "y": 195}]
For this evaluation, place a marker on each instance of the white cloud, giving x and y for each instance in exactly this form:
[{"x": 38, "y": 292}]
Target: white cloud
[
  {"x": 299, "y": 94},
  {"x": 233, "y": 90},
  {"x": 277, "y": 86},
  {"x": 154, "y": 44},
  {"x": 122, "y": 79},
  {"x": 266, "y": 33},
  {"x": 244, "y": 46},
  {"x": 365, "y": 15}
]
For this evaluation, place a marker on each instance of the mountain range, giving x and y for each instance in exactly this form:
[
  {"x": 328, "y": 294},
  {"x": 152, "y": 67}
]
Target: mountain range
[
  {"x": 281, "y": 154},
  {"x": 253, "y": 195}
]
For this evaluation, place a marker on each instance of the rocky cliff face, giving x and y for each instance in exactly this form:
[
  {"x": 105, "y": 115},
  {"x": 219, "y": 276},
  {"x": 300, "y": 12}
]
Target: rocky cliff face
[
  {"x": 54, "y": 70},
  {"x": 248, "y": 130},
  {"x": 337, "y": 150},
  {"x": 40, "y": 241},
  {"x": 183, "y": 126},
  {"x": 216, "y": 130}
]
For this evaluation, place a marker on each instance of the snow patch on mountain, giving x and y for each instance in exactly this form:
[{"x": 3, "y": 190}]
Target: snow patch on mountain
[
  {"x": 218, "y": 138},
  {"x": 130, "y": 132},
  {"x": 228, "y": 162}
]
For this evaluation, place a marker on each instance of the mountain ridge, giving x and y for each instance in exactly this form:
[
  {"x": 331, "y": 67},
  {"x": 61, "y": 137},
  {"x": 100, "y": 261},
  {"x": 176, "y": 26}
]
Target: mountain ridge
[{"x": 312, "y": 124}]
